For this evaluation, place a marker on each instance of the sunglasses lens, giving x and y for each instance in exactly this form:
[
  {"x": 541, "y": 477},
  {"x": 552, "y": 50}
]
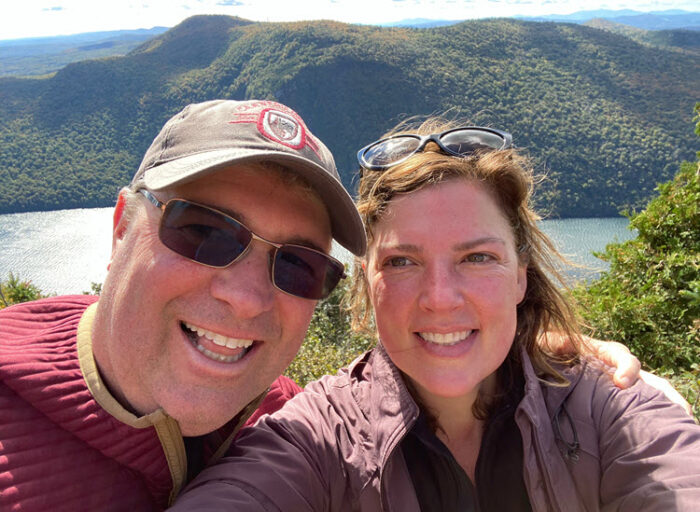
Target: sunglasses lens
[
  {"x": 466, "y": 142},
  {"x": 305, "y": 273},
  {"x": 390, "y": 151},
  {"x": 212, "y": 238},
  {"x": 201, "y": 234}
]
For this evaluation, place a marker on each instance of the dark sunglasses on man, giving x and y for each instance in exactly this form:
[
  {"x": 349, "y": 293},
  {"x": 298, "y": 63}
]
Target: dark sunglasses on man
[
  {"x": 463, "y": 141},
  {"x": 212, "y": 238}
]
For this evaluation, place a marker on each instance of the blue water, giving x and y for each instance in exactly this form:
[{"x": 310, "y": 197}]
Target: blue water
[{"x": 64, "y": 251}]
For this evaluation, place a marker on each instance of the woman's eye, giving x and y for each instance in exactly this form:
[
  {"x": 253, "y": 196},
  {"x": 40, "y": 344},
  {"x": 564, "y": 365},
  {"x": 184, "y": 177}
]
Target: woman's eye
[
  {"x": 397, "y": 261},
  {"x": 479, "y": 257}
]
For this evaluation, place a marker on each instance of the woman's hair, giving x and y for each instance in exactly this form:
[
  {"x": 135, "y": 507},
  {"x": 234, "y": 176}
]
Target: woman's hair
[{"x": 508, "y": 177}]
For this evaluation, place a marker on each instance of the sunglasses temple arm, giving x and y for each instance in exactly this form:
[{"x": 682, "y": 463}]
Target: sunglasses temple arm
[{"x": 153, "y": 199}]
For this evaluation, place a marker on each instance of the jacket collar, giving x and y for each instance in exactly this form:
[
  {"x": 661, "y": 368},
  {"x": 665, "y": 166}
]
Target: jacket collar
[
  {"x": 553, "y": 395},
  {"x": 380, "y": 392}
]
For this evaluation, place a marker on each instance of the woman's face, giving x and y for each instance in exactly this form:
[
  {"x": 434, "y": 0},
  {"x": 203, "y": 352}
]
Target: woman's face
[{"x": 444, "y": 279}]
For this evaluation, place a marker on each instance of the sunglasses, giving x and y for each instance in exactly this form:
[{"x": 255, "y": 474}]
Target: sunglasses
[
  {"x": 464, "y": 141},
  {"x": 212, "y": 238}
]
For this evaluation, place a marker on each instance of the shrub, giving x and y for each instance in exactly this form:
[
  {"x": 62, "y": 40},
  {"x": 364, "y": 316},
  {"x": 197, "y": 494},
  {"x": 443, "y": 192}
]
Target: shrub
[
  {"x": 649, "y": 298},
  {"x": 14, "y": 290},
  {"x": 329, "y": 343}
]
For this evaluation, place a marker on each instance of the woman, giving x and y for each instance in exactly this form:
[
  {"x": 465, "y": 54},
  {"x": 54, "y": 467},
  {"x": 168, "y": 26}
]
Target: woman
[{"x": 458, "y": 408}]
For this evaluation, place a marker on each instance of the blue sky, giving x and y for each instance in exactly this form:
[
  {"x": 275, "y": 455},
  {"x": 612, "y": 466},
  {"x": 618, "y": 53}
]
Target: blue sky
[{"x": 37, "y": 18}]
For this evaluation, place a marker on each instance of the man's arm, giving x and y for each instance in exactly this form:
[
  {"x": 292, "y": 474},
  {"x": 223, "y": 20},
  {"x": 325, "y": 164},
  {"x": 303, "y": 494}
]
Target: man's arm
[
  {"x": 649, "y": 452},
  {"x": 624, "y": 366}
]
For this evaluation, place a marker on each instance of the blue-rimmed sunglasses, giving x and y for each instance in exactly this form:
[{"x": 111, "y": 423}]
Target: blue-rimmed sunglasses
[
  {"x": 212, "y": 238},
  {"x": 463, "y": 141}
]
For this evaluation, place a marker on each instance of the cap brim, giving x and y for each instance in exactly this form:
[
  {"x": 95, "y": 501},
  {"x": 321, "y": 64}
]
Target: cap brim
[{"x": 346, "y": 224}]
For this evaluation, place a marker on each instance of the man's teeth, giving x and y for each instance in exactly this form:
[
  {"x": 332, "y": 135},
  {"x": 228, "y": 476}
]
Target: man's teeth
[
  {"x": 219, "y": 357},
  {"x": 220, "y": 339},
  {"x": 451, "y": 338}
]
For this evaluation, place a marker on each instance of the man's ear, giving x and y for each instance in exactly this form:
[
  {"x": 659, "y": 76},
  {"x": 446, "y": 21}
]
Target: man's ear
[{"x": 119, "y": 220}]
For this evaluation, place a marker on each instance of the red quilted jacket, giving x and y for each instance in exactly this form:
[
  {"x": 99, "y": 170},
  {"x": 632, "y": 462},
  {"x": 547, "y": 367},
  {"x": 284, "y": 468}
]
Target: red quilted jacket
[{"x": 59, "y": 449}]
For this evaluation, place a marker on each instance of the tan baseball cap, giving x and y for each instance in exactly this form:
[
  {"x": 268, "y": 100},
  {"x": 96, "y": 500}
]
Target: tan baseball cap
[{"x": 206, "y": 137}]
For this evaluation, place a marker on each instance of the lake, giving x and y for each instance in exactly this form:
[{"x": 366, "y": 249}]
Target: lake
[{"x": 64, "y": 251}]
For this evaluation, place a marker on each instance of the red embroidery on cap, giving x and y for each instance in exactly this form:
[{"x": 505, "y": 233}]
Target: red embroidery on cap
[{"x": 277, "y": 123}]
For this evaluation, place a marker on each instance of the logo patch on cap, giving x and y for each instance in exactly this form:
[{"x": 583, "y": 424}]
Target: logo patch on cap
[
  {"x": 282, "y": 128},
  {"x": 277, "y": 123}
]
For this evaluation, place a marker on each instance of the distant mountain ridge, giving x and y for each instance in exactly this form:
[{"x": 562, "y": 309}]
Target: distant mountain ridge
[
  {"x": 605, "y": 116},
  {"x": 40, "y": 55},
  {"x": 654, "y": 20}
]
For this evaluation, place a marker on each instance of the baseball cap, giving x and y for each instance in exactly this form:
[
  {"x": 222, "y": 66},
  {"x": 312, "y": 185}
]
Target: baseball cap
[{"x": 206, "y": 137}]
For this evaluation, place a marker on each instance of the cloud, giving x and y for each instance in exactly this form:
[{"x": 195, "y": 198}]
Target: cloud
[
  {"x": 52, "y": 9},
  {"x": 230, "y": 3}
]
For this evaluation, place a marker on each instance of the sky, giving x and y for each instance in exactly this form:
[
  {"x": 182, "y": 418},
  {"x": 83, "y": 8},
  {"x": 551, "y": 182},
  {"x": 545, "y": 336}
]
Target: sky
[{"x": 40, "y": 18}]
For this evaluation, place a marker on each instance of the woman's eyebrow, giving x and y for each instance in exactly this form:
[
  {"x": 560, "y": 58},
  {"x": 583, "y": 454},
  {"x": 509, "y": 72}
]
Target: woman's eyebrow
[
  {"x": 409, "y": 248},
  {"x": 470, "y": 244}
]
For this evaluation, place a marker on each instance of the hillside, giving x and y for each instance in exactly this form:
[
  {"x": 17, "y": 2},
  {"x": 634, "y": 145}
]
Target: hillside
[
  {"x": 679, "y": 40},
  {"x": 599, "y": 111},
  {"x": 42, "y": 55}
]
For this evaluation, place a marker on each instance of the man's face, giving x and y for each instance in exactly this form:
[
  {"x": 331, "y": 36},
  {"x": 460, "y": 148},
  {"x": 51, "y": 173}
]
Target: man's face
[{"x": 169, "y": 331}]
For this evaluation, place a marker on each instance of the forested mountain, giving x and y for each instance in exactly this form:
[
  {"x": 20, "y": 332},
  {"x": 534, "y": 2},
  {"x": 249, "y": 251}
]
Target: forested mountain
[{"x": 605, "y": 116}]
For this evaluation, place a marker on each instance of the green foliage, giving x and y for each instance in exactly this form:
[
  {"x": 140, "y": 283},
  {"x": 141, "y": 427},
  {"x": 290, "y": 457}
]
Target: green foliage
[
  {"x": 329, "y": 344},
  {"x": 95, "y": 289},
  {"x": 598, "y": 110},
  {"x": 687, "y": 383},
  {"x": 15, "y": 290},
  {"x": 649, "y": 298}
]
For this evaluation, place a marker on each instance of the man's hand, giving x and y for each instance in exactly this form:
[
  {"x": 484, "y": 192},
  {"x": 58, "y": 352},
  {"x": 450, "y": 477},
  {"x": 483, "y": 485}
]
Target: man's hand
[{"x": 618, "y": 356}]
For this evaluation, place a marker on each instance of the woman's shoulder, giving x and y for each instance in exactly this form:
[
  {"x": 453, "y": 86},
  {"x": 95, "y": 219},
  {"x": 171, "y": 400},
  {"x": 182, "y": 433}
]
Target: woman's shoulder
[
  {"x": 591, "y": 383},
  {"x": 591, "y": 398}
]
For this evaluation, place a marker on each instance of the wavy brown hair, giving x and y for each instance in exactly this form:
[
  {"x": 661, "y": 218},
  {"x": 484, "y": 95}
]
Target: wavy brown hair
[{"x": 508, "y": 177}]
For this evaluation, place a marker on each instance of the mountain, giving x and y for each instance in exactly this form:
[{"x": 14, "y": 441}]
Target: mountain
[
  {"x": 655, "y": 20},
  {"x": 606, "y": 117},
  {"x": 682, "y": 40},
  {"x": 42, "y": 55},
  {"x": 420, "y": 23}
]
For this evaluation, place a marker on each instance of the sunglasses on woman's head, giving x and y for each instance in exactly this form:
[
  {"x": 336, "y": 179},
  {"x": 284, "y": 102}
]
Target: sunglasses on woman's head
[
  {"x": 464, "y": 141},
  {"x": 212, "y": 238}
]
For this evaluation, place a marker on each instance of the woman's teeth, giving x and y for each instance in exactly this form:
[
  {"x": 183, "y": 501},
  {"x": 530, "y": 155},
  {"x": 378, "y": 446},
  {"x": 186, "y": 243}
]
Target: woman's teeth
[
  {"x": 217, "y": 339},
  {"x": 451, "y": 338}
]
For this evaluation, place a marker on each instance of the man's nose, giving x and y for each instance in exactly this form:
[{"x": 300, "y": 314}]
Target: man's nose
[{"x": 246, "y": 284}]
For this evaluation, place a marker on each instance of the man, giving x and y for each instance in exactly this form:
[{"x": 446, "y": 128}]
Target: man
[{"x": 219, "y": 254}]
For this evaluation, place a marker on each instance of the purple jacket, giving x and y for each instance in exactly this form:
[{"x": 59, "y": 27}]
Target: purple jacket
[{"x": 588, "y": 446}]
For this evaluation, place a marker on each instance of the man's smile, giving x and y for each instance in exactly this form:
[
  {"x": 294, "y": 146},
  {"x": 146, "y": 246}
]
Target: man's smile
[{"x": 198, "y": 334}]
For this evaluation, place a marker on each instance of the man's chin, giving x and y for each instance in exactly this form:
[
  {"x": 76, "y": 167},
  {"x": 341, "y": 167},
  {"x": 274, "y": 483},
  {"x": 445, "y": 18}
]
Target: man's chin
[
  {"x": 194, "y": 422},
  {"x": 193, "y": 428}
]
